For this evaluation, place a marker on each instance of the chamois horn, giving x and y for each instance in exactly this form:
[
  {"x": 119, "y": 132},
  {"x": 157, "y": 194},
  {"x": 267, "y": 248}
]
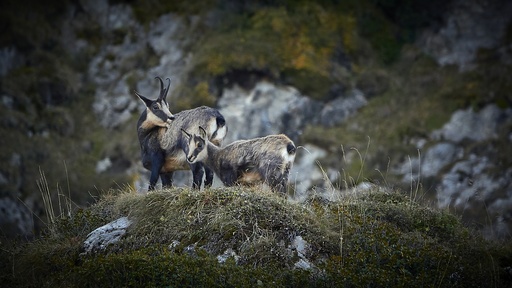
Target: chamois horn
[{"x": 163, "y": 92}]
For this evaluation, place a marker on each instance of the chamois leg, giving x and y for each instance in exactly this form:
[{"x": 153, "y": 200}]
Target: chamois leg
[
  {"x": 166, "y": 179},
  {"x": 154, "y": 175},
  {"x": 280, "y": 185},
  {"x": 197, "y": 175},
  {"x": 208, "y": 177},
  {"x": 274, "y": 178},
  {"x": 228, "y": 174},
  {"x": 283, "y": 181},
  {"x": 157, "y": 161}
]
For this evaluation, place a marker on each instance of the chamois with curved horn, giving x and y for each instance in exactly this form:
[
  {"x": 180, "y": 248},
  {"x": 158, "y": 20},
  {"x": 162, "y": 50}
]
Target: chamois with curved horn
[
  {"x": 163, "y": 146},
  {"x": 246, "y": 162}
]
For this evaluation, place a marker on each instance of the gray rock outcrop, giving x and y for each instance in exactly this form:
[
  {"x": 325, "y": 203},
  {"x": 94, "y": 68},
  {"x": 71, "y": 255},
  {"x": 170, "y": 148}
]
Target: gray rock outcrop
[
  {"x": 266, "y": 109},
  {"x": 470, "y": 25},
  {"x": 467, "y": 178},
  {"x": 474, "y": 126},
  {"x": 105, "y": 235}
]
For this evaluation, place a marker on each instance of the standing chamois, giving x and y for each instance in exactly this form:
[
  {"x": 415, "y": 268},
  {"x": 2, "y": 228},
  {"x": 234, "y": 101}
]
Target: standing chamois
[
  {"x": 246, "y": 162},
  {"x": 163, "y": 146}
]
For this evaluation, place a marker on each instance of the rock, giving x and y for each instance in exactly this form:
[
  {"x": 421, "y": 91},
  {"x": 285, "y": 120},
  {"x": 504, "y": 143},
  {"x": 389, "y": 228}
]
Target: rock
[
  {"x": 302, "y": 264},
  {"x": 467, "y": 178},
  {"x": 475, "y": 126},
  {"x": 438, "y": 157},
  {"x": 226, "y": 255},
  {"x": 173, "y": 245},
  {"x": 336, "y": 111},
  {"x": 15, "y": 219},
  {"x": 105, "y": 235},
  {"x": 301, "y": 247},
  {"x": 103, "y": 165},
  {"x": 305, "y": 171},
  {"x": 266, "y": 109},
  {"x": 469, "y": 26},
  {"x": 460, "y": 162},
  {"x": 190, "y": 250}
]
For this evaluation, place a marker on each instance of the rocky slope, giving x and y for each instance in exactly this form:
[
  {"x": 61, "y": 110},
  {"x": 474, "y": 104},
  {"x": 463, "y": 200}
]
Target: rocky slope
[{"x": 432, "y": 116}]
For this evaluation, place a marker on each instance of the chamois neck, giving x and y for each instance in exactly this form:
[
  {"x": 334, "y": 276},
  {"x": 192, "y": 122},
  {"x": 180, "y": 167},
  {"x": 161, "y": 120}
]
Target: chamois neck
[
  {"x": 145, "y": 131},
  {"x": 212, "y": 159}
]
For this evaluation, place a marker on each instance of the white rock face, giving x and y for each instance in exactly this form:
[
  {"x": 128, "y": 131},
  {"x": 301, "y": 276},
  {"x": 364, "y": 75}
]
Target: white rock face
[
  {"x": 266, "y": 109},
  {"x": 438, "y": 157},
  {"x": 114, "y": 65},
  {"x": 476, "y": 126},
  {"x": 466, "y": 179}
]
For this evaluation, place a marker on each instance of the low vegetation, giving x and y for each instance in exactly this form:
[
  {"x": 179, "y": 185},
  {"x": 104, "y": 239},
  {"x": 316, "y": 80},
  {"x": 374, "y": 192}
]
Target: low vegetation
[{"x": 375, "y": 238}]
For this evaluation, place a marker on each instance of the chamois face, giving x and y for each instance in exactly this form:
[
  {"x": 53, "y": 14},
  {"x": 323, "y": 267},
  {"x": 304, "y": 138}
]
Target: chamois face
[
  {"x": 196, "y": 151},
  {"x": 157, "y": 111}
]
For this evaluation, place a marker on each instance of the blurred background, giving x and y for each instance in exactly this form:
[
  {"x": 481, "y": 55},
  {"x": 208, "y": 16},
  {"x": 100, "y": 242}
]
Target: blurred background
[{"x": 409, "y": 95}]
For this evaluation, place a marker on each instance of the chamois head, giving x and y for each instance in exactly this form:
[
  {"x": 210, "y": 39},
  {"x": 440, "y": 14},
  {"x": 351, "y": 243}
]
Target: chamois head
[
  {"x": 158, "y": 113},
  {"x": 196, "y": 151}
]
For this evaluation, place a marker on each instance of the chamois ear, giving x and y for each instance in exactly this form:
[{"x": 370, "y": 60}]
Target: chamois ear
[
  {"x": 146, "y": 101},
  {"x": 186, "y": 133},
  {"x": 202, "y": 133}
]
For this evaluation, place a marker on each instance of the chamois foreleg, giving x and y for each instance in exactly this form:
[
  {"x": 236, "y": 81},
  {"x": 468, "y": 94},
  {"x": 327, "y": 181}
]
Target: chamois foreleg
[
  {"x": 208, "y": 177},
  {"x": 197, "y": 175},
  {"x": 166, "y": 179},
  {"x": 156, "y": 164}
]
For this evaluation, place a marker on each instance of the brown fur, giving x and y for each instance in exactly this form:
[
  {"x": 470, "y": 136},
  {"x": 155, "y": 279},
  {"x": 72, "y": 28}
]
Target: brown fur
[{"x": 246, "y": 162}]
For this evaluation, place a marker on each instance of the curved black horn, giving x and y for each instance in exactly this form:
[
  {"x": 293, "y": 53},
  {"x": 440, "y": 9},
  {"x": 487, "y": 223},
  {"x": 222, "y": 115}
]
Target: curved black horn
[
  {"x": 161, "y": 87},
  {"x": 168, "y": 85}
]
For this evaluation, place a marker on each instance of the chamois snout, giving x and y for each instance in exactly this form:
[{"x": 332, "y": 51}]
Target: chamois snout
[
  {"x": 170, "y": 119},
  {"x": 191, "y": 159}
]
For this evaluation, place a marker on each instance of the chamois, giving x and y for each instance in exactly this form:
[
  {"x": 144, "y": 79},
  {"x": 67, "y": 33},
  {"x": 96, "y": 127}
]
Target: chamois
[
  {"x": 163, "y": 147},
  {"x": 246, "y": 162}
]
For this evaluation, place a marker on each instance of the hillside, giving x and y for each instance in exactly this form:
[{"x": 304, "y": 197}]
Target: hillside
[
  {"x": 405, "y": 95},
  {"x": 249, "y": 237}
]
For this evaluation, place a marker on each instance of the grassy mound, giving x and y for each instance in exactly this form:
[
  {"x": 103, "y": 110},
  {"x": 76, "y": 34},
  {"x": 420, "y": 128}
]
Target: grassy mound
[{"x": 371, "y": 238}]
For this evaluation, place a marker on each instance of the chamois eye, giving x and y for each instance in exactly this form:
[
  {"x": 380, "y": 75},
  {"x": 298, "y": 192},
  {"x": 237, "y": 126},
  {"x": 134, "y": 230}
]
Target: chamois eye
[
  {"x": 156, "y": 107},
  {"x": 200, "y": 145}
]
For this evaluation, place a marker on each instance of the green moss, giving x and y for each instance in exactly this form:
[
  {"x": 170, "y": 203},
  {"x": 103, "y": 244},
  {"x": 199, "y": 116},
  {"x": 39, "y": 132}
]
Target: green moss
[
  {"x": 281, "y": 42},
  {"x": 382, "y": 37}
]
